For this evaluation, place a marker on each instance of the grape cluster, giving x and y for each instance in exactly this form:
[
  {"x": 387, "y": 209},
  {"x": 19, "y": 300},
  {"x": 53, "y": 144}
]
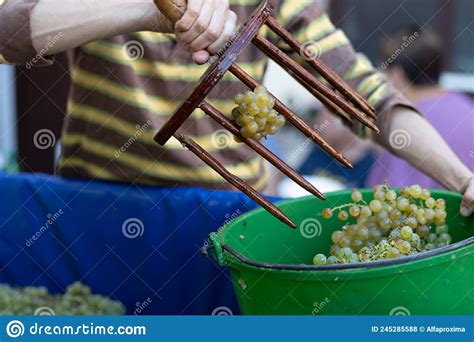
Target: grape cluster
[
  {"x": 255, "y": 114},
  {"x": 389, "y": 226},
  {"x": 78, "y": 300}
]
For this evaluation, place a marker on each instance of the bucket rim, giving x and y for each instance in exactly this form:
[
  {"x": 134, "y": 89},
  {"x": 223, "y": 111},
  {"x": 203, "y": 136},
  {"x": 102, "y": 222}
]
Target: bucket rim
[
  {"x": 356, "y": 266},
  {"x": 219, "y": 247}
]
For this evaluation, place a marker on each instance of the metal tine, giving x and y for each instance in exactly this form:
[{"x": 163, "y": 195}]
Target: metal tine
[
  {"x": 202, "y": 154},
  {"x": 291, "y": 117},
  {"x": 328, "y": 74},
  {"x": 217, "y": 116},
  {"x": 322, "y": 91}
]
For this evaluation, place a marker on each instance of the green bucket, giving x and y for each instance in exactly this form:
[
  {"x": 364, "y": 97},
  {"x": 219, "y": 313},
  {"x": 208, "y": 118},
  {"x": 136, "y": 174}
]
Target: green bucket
[{"x": 272, "y": 272}]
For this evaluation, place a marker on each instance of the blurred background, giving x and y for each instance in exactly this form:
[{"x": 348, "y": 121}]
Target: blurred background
[{"x": 35, "y": 99}]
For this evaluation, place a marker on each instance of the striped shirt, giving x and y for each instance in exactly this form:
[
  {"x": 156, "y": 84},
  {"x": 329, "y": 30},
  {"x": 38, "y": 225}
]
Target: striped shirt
[{"x": 126, "y": 87}]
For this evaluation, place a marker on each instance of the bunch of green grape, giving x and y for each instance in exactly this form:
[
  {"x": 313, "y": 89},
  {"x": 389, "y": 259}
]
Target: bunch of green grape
[
  {"x": 389, "y": 226},
  {"x": 78, "y": 300},
  {"x": 255, "y": 114}
]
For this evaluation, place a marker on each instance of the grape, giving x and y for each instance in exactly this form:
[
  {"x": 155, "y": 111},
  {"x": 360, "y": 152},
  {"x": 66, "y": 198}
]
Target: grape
[
  {"x": 257, "y": 136},
  {"x": 356, "y": 245},
  {"x": 444, "y": 239},
  {"x": 404, "y": 192},
  {"x": 440, "y": 214},
  {"x": 356, "y": 196},
  {"x": 411, "y": 222},
  {"x": 395, "y": 214},
  {"x": 391, "y": 195},
  {"x": 440, "y": 203},
  {"x": 343, "y": 216},
  {"x": 239, "y": 98},
  {"x": 389, "y": 226},
  {"x": 403, "y": 203},
  {"x": 406, "y": 232},
  {"x": 354, "y": 211},
  {"x": 415, "y": 191},
  {"x": 430, "y": 202},
  {"x": 249, "y": 97},
  {"x": 430, "y": 214},
  {"x": 337, "y": 236},
  {"x": 423, "y": 231},
  {"x": 279, "y": 121},
  {"x": 376, "y": 188},
  {"x": 327, "y": 213},
  {"x": 346, "y": 252},
  {"x": 441, "y": 229},
  {"x": 404, "y": 246},
  {"x": 319, "y": 259},
  {"x": 393, "y": 253},
  {"x": 431, "y": 237},
  {"x": 271, "y": 129},
  {"x": 425, "y": 194},
  {"x": 382, "y": 214},
  {"x": 78, "y": 300},
  {"x": 363, "y": 233},
  {"x": 261, "y": 100},
  {"x": 375, "y": 205},
  {"x": 429, "y": 246},
  {"x": 255, "y": 114},
  {"x": 379, "y": 195},
  {"x": 331, "y": 260},
  {"x": 412, "y": 209},
  {"x": 365, "y": 212}
]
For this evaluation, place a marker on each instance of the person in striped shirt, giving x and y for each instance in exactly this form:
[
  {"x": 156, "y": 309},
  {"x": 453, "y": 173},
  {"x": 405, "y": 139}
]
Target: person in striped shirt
[{"x": 130, "y": 68}]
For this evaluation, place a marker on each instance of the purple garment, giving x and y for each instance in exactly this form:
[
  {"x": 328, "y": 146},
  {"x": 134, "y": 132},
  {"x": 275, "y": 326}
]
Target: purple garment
[{"x": 452, "y": 114}]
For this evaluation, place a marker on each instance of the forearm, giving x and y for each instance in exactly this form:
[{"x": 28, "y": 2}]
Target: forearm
[
  {"x": 408, "y": 135},
  {"x": 79, "y": 22}
]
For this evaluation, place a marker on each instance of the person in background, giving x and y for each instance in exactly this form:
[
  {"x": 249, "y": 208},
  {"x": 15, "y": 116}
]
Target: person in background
[
  {"x": 131, "y": 67},
  {"x": 415, "y": 70}
]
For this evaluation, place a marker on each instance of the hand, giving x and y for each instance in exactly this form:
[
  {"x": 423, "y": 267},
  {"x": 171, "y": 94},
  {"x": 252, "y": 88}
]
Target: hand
[
  {"x": 467, "y": 205},
  {"x": 205, "y": 27}
]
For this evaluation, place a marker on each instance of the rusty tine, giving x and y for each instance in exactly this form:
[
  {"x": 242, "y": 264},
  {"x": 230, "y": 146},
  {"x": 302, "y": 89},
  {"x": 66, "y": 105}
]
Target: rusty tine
[
  {"x": 191, "y": 145},
  {"x": 291, "y": 117},
  {"x": 217, "y": 116},
  {"x": 323, "y": 92},
  {"x": 330, "y": 76}
]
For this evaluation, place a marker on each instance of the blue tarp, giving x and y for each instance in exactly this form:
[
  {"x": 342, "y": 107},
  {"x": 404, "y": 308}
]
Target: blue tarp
[{"x": 140, "y": 245}]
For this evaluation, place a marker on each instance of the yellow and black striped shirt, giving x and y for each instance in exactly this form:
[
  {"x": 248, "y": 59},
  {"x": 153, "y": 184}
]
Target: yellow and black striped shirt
[{"x": 126, "y": 87}]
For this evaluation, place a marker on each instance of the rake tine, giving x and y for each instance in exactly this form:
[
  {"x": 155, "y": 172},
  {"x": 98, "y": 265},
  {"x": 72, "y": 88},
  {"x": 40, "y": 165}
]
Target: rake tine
[
  {"x": 291, "y": 117},
  {"x": 323, "y": 92},
  {"x": 330, "y": 76},
  {"x": 217, "y": 116},
  {"x": 192, "y": 146}
]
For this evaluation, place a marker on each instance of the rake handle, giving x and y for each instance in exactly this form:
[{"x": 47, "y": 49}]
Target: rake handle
[{"x": 172, "y": 9}]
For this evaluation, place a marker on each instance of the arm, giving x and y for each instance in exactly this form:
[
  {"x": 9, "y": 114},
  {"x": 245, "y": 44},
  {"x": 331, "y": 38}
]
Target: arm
[
  {"x": 427, "y": 151},
  {"x": 44, "y": 27},
  {"x": 409, "y": 136}
]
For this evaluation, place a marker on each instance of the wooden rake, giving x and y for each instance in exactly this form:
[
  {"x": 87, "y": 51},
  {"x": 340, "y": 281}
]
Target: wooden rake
[{"x": 345, "y": 103}]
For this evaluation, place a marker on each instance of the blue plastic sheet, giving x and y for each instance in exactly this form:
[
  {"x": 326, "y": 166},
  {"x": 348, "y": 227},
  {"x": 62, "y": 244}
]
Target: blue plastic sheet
[{"x": 140, "y": 245}]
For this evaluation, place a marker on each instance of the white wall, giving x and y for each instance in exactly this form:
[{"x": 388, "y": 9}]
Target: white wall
[{"x": 7, "y": 117}]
